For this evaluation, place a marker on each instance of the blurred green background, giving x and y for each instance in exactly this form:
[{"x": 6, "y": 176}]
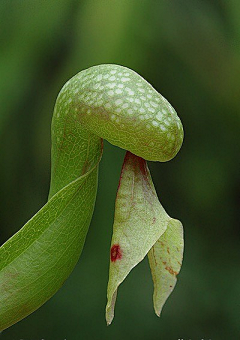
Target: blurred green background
[{"x": 190, "y": 51}]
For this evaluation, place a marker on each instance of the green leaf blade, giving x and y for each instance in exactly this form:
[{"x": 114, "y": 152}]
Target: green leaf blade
[
  {"x": 45, "y": 250},
  {"x": 165, "y": 259}
]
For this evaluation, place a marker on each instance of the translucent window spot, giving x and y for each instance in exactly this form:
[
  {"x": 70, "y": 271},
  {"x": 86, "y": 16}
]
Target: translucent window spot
[
  {"x": 137, "y": 101},
  {"x": 125, "y": 105},
  {"x": 163, "y": 128},
  {"x": 112, "y": 78},
  {"x": 141, "y": 90},
  {"x": 108, "y": 105},
  {"x": 113, "y": 117},
  {"x": 125, "y": 79},
  {"x": 142, "y": 110},
  {"x": 130, "y": 100},
  {"x": 164, "y": 111},
  {"x": 139, "y": 84},
  {"x": 151, "y": 109},
  {"x": 127, "y": 74},
  {"x": 106, "y": 76},
  {"x": 118, "y": 110},
  {"x": 143, "y": 98},
  {"x": 113, "y": 71},
  {"x": 154, "y": 123},
  {"x": 110, "y": 93},
  {"x": 94, "y": 94},
  {"x": 96, "y": 86},
  {"x": 153, "y": 104},
  {"x": 130, "y": 111},
  {"x": 146, "y": 104},
  {"x": 111, "y": 85},
  {"x": 121, "y": 86},
  {"x": 118, "y": 91},
  {"x": 99, "y": 77},
  {"x": 118, "y": 102},
  {"x": 101, "y": 88},
  {"x": 149, "y": 96}
]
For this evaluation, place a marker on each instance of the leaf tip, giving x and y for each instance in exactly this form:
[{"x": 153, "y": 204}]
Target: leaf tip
[
  {"x": 110, "y": 308},
  {"x": 157, "y": 311},
  {"x": 109, "y": 322},
  {"x": 109, "y": 317}
]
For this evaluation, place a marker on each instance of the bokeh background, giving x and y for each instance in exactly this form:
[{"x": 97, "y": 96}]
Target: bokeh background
[{"x": 190, "y": 51}]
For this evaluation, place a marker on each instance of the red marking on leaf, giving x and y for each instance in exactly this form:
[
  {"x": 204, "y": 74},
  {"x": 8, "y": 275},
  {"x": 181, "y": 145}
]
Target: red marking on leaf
[
  {"x": 137, "y": 163},
  {"x": 171, "y": 271},
  {"x": 116, "y": 253},
  {"x": 101, "y": 144}
]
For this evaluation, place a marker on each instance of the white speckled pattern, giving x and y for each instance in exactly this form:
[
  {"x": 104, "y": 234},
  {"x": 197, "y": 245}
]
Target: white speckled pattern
[{"x": 112, "y": 97}]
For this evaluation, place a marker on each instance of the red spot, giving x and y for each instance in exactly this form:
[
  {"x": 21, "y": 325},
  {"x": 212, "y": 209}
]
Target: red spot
[
  {"x": 143, "y": 167},
  {"x": 101, "y": 144},
  {"x": 116, "y": 253},
  {"x": 137, "y": 162}
]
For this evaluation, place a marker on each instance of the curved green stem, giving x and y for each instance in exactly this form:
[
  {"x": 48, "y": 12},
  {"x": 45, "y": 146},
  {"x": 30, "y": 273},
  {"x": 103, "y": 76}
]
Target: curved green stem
[{"x": 105, "y": 101}]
